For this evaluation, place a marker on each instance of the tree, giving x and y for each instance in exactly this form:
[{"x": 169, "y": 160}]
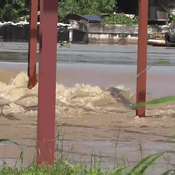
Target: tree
[
  {"x": 11, "y": 10},
  {"x": 85, "y": 7}
]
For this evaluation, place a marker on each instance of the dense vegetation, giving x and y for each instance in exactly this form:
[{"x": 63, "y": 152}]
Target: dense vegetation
[
  {"x": 12, "y": 10},
  {"x": 120, "y": 19},
  {"x": 86, "y": 7}
]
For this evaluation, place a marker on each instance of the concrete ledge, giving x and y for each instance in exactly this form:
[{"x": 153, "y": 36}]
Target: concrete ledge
[
  {"x": 111, "y": 39},
  {"x": 124, "y": 29},
  {"x": 97, "y": 33},
  {"x": 128, "y": 40}
]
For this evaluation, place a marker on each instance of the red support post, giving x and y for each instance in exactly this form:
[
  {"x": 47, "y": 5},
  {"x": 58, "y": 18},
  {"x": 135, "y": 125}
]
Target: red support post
[
  {"x": 32, "y": 53},
  {"x": 142, "y": 56},
  {"x": 47, "y": 82}
]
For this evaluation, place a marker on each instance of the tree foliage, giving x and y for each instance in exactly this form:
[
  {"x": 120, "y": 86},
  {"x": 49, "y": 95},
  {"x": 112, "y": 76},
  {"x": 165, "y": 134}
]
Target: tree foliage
[
  {"x": 11, "y": 10},
  {"x": 85, "y": 7},
  {"x": 120, "y": 19}
]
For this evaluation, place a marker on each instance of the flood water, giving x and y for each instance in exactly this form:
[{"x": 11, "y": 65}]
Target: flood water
[
  {"x": 103, "y": 65},
  {"x": 102, "y": 54},
  {"x": 86, "y": 111}
]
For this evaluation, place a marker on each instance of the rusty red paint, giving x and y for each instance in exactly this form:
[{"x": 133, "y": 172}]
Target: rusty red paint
[
  {"x": 142, "y": 56},
  {"x": 32, "y": 53},
  {"x": 47, "y": 82}
]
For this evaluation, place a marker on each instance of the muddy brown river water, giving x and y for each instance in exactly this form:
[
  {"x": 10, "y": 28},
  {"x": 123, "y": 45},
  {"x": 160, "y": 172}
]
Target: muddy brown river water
[{"x": 89, "y": 119}]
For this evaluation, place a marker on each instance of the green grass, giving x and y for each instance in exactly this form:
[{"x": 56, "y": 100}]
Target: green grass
[{"x": 63, "y": 167}]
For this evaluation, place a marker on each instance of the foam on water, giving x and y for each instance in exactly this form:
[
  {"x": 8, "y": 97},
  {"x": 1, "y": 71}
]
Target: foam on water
[{"x": 71, "y": 101}]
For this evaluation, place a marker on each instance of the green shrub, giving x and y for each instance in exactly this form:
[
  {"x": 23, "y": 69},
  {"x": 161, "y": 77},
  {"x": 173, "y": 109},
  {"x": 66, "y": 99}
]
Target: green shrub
[
  {"x": 170, "y": 13},
  {"x": 12, "y": 11},
  {"x": 119, "y": 19},
  {"x": 85, "y": 7}
]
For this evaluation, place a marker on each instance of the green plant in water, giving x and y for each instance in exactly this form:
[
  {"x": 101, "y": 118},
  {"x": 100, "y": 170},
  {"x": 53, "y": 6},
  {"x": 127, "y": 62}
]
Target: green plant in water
[
  {"x": 147, "y": 162},
  {"x": 63, "y": 167},
  {"x": 64, "y": 45},
  {"x": 155, "y": 102},
  {"x": 21, "y": 153}
]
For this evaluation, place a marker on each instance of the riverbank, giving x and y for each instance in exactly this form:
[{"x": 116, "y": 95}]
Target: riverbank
[{"x": 96, "y": 33}]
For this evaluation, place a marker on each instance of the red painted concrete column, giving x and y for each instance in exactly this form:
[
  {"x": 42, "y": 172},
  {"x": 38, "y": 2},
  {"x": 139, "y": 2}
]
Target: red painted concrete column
[
  {"x": 32, "y": 53},
  {"x": 47, "y": 82},
  {"x": 142, "y": 56}
]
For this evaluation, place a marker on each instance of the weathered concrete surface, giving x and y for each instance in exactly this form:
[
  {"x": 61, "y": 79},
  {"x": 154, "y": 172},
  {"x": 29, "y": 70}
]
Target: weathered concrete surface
[
  {"x": 19, "y": 32},
  {"x": 106, "y": 34},
  {"x": 124, "y": 29},
  {"x": 97, "y": 33}
]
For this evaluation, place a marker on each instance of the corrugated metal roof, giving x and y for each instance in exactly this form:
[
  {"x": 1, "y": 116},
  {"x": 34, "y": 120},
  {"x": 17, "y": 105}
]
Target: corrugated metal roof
[{"x": 92, "y": 18}]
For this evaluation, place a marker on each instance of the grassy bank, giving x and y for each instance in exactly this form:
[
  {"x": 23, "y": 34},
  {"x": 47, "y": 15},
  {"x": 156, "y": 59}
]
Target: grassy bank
[{"x": 63, "y": 167}]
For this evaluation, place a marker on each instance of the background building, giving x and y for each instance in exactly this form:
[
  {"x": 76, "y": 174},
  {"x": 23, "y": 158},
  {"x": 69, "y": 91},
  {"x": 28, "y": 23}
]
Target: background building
[{"x": 156, "y": 14}]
